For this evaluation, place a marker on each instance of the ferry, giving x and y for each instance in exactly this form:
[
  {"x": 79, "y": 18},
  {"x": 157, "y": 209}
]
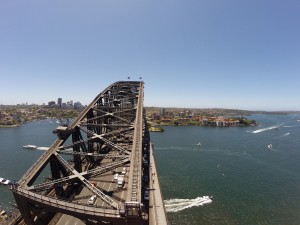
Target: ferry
[{"x": 30, "y": 146}]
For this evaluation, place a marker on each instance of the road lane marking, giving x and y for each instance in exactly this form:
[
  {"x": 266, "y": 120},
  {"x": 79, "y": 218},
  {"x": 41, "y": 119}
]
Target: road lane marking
[{"x": 109, "y": 187}]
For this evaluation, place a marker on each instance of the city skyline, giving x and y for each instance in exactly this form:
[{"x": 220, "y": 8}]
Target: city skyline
[
  {"x": 196, "y": 54},
  {"x": 47, "y": 102}
]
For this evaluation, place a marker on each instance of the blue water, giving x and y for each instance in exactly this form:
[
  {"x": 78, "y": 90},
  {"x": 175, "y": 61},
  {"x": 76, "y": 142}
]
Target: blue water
[
  {"x": 14, "y": 160},
  {"x": 250, "y": 183}
]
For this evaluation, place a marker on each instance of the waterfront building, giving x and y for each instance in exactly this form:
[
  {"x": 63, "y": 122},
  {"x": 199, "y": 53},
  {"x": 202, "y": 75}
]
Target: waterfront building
[
  {"x": 219, "y": 123},
  {"x": 205, "y": 122}
]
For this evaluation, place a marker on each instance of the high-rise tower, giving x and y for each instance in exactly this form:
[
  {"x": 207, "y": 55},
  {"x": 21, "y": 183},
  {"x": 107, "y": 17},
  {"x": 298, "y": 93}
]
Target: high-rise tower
[{"x": 59, "y": 102}]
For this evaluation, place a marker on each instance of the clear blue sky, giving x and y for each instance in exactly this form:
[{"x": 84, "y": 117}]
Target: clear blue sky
[{"x": 190, "y": 53}]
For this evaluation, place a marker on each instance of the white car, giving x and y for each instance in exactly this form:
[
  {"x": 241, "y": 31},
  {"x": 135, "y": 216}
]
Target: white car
[
  {"x": 92, "y": 200},
  {"x": 124, "y": 170},
  {"x": 116, "y": 176}
]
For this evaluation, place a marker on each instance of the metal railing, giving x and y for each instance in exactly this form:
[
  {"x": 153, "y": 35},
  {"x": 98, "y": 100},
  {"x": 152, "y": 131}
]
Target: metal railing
[
  {"x": 134, "y": 194},
  {"x": 68, "y": 206}
]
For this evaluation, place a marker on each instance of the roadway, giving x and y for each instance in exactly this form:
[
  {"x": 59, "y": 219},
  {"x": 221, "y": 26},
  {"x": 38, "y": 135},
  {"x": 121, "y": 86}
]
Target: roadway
[{"x": 104, "y": 182}]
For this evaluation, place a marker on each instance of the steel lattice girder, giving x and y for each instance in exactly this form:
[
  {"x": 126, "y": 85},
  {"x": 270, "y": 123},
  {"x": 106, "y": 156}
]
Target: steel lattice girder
[{"x": 110, "y": 109}]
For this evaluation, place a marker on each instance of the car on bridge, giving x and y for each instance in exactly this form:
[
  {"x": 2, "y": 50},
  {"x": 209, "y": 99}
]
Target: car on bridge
[
  {"x": 115, "y": 177},
  {"x": 124, "y": 170},
  {"x": 92, "y": 200},
  {"x": 120, "y": 181},
  {"x": 146, "y": 195}
]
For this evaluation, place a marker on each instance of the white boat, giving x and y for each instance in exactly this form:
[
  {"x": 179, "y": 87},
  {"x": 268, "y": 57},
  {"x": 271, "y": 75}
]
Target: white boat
[
  {"x": 270, "y": 146},
  {"x": 4, "y": 181},
  {"x": 30, "y": 146},
  {"x": 199, "y": 144},
  {"x": 43, "y": 148}
]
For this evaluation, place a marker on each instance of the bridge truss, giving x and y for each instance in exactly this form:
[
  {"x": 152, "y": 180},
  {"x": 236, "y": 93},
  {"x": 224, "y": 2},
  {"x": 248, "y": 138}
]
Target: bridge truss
[{"x": 107, "y": 143}]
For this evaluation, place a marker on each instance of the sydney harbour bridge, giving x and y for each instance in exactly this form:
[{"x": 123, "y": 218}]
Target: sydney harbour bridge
[{"x": 100, "y": 170}]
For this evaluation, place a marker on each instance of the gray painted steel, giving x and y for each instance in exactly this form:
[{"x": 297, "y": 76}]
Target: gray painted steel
[{"x": 109, "y": 137}]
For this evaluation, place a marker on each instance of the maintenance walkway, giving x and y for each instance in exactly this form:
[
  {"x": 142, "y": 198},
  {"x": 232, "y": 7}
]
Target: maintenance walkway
[{"x": 157, "y": 210}]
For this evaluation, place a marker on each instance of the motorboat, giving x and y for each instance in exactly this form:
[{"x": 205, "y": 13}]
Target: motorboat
[
  {"x": 270, "y": 146},
  {"x": 30, "y": 146},
  {"x": 4, "y": 181},
  {"x": 42, "y": 148},
  {"x": 199, "y": 144}
]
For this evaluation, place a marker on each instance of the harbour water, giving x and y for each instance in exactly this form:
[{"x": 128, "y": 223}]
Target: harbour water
[
  {"x": 14, "y": 159},
  {"x": 249, "y": 183}
]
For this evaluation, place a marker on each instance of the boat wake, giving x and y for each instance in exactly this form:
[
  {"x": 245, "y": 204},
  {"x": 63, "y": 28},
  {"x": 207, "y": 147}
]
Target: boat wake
[
  {"x": 286, "y": 134},
  {"x": 266, "y": 128},
  {"x": 176, "y": 205}
]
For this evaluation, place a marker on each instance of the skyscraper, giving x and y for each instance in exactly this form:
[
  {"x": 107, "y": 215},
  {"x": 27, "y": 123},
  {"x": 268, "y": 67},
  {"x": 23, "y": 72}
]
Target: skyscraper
[{"x": 59, "y": 101}]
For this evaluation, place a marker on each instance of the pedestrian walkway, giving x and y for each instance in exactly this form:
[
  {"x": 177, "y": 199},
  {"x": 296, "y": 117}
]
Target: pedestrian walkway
[{"x": 156, "y": 207}]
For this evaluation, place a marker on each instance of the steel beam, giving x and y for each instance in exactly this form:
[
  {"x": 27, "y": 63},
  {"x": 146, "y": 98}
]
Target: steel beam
[{"x": 106, "y": 136}]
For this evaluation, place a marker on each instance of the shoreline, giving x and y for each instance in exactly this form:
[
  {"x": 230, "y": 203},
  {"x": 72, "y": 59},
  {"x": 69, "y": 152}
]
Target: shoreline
[{"x": 9, "y": 126}]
